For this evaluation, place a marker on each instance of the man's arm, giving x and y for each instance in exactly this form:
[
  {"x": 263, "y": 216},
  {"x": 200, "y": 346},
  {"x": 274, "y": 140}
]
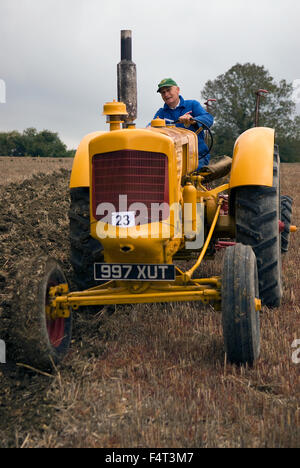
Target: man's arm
[{"x": 199, "y": 113}]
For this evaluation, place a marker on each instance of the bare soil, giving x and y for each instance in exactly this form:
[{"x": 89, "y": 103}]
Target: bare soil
[
  {"x": 19, "y": 169},
  {"x": 148, "y": 375}
]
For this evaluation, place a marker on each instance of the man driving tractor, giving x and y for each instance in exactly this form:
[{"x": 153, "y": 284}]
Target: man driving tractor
[{"x": 181, "y": 112}]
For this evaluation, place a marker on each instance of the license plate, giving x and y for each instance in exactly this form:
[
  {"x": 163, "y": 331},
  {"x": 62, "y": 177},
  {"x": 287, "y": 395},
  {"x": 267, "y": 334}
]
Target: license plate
[{"x": 133, "y": 272}]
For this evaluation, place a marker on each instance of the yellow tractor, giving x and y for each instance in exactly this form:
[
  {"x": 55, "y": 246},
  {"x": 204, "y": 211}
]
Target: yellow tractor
[{"x": 139, "y": 205}]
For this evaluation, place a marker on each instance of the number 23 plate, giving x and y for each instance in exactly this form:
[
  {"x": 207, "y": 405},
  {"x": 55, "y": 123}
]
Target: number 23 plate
[{"x": 123, "y": 219}]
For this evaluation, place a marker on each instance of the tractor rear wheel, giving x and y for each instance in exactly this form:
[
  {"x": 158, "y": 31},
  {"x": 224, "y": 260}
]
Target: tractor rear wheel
[
  {"x": 286, "y": 218},
  {"x": 257, "y": 211},
  {"x": 36, "y": 339},
  {"x": 85, "y": 250},
  {"x": 240, "y": 317}
]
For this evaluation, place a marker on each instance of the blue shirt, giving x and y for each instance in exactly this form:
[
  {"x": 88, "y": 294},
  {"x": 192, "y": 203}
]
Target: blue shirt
[{"x": 197, "y": 111}]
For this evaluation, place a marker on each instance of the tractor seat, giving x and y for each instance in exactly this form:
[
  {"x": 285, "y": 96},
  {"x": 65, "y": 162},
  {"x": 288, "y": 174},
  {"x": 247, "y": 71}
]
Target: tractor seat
[{"x": 219, "y": 168}]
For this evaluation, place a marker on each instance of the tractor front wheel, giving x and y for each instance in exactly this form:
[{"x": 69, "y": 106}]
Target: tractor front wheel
[
  {"x": 240, "y": 305},
  {"x": 37, "y": 339}
]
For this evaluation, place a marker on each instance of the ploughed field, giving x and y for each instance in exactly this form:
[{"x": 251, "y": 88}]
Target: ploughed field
[{"x": 147, "y": 375}]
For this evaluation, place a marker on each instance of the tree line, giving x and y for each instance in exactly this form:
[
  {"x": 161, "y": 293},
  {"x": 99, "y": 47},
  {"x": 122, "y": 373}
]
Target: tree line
[
  {"x": 234, "y": 109},
  {"x": 33, "y": 143}
]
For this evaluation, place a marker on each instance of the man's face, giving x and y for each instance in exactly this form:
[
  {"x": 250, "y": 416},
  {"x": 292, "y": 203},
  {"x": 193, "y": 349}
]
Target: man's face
[{"x": 170, "y": 95}]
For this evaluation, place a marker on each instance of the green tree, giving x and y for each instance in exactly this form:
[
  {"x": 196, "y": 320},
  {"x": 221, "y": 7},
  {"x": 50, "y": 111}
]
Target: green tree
[
  {"x": 44, "y": 144},
  {"x": 234, "y": 110},
  {"x": 33, "y": 143},
  {"x": 12, "y": 144}
]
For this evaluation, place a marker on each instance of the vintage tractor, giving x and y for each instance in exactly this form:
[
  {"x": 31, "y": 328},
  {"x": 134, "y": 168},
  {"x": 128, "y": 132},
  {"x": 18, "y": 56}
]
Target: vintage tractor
[{"x": 139, "y": 206}]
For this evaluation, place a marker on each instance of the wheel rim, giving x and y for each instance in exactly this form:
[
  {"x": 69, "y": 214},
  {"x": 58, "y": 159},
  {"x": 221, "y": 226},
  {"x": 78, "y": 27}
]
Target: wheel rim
[{"x": 56, "y": 329}]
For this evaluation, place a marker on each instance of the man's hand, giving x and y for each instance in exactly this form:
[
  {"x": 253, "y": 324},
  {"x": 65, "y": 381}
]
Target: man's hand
[{"x": 186, "y": 119}]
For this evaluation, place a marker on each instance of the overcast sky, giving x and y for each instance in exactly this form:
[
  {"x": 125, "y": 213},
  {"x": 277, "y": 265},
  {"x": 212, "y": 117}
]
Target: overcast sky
[{"x": 58, "y": 58}]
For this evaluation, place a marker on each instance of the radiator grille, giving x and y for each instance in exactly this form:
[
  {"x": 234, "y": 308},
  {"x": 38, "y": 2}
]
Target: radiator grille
[{"x": 140, "y": 175}]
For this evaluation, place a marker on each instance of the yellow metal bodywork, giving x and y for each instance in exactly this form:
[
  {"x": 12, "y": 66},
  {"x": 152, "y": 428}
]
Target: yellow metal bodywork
[
  {"x": 205, "y": 290},
  {"x": 158, "y": 122},
  {"x": 184, "y": 288},
  {"x": 252, "y": 162},
  {"x": 111, "y": 237},
  {"x": 114, "y": 108},
  {"x": 189, "y": 195},
  {"x": 55, "y": 309},
  {"x": 157, "y": 241},
  {"x": 183, "y": 144},
  {"x": 115, "y": 112}
]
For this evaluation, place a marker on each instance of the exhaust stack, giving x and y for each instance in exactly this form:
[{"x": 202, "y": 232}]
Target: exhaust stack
[{"x": 127, "y": 82}]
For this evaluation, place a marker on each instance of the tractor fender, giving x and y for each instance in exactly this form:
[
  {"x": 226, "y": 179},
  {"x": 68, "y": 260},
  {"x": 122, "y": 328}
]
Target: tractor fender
[
  {"x": 252, "y": 162},
  {"x": 80, "y": 176}
]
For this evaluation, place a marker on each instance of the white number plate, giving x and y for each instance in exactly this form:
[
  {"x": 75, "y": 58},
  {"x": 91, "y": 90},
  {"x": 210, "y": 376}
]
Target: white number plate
[
  {"x": 134, "y": 272},
  {"x": 123, "y": 218}
]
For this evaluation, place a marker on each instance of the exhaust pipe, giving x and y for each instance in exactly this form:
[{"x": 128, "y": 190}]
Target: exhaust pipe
[{"x": 127, "y": 82}]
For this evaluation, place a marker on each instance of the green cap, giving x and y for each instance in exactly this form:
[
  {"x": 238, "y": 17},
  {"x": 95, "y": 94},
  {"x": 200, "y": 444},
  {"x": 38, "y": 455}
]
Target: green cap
[{"x": 166, "y": 82}]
